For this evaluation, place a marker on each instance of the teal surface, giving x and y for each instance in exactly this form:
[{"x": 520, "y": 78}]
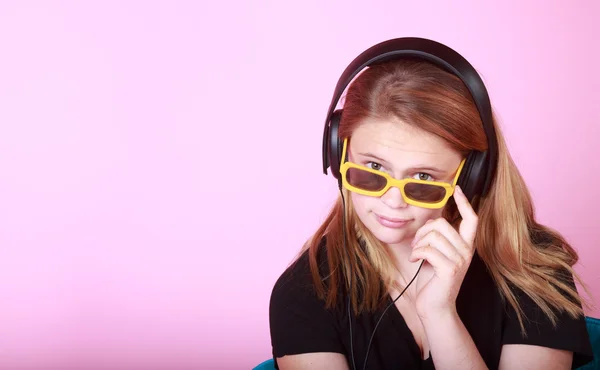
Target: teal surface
[
  {"x": 593, "y": 326},
  {"x": 265, "y": 365}
]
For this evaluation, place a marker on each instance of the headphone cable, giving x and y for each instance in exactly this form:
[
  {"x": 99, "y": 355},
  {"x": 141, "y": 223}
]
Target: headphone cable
[
  {"x": 384, "y": 311},
  {"x": 350, "y": 292}
]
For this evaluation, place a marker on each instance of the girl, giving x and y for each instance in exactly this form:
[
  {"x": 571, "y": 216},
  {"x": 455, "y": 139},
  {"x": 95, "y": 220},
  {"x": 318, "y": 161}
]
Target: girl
[{"x": 407, "y": 272}]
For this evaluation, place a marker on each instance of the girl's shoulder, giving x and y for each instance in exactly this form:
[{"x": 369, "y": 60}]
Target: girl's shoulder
[{"x": 298, "y": 275}]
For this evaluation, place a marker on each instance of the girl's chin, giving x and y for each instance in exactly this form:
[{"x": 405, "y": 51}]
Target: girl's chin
[{"x": 392, "y": 237}]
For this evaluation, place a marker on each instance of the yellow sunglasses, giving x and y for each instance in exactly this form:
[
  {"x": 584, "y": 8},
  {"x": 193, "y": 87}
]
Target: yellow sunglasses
[{"x": 420, "y": 193}]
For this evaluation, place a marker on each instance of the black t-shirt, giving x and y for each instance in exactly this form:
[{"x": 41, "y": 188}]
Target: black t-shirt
[{"x": 299, "y": 323}]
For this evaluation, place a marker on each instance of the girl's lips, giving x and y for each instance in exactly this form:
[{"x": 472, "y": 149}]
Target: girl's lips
[{"x": 390, "y": 222}]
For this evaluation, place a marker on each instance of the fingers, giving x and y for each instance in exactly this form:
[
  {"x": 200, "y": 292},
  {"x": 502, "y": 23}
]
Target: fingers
[
  {"x": 435, "y": 239},
  {"x": 442, "y": 226},
  {"x": 432, "y": 255},
  {"x": 468, "y": 225},
  {"x": 441, "y": 245},
  {"x": 444, "y": 257}
]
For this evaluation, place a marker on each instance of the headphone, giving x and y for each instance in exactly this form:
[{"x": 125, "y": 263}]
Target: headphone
[{"x": 480, "y": 167}]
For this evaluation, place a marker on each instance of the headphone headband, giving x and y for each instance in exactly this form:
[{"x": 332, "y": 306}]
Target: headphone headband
[{"x": 438, "y": 54}]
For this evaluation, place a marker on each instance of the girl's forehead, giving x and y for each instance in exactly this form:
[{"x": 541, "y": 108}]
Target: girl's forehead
[{"x": 395, "y": 139}]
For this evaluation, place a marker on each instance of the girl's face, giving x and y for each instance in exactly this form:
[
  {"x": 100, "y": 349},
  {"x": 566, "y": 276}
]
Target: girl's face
[{"x": 402, "y": 151}]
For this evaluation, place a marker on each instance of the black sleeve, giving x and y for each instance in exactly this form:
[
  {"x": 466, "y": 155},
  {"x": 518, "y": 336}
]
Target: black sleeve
[
  {"x": 299, "y": 322},
  {"x": 569, "y": 334}
]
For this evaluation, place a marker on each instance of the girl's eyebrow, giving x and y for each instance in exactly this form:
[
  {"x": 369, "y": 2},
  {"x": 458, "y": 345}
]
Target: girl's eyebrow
[
  {"x": 373, "y": 156},
  {"x": 427, "y": 169},
  {"x": 412, "y": 169}
]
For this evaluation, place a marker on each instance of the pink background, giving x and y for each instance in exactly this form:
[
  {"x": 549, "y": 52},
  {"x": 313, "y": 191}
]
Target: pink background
[{"x": 160, "y": 160}]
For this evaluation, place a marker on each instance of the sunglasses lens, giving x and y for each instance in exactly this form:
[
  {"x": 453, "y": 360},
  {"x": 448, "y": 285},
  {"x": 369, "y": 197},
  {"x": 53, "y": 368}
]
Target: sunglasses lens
[
  {"x": 372, "y": 182},
  {"x": 365, "y": 180},
  {"x": 424, "y": 192}
]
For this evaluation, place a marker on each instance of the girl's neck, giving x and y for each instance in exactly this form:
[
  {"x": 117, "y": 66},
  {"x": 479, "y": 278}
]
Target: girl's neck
[{"x": 401, "y": 253}]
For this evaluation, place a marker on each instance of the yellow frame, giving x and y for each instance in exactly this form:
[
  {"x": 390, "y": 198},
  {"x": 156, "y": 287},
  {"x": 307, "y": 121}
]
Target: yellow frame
[{"x": 345, "y": 165}]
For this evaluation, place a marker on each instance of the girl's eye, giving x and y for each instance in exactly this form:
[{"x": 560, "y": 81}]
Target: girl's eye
[
  {"x": 424, "y": 176},
  {"x": 374, "y": 166}
]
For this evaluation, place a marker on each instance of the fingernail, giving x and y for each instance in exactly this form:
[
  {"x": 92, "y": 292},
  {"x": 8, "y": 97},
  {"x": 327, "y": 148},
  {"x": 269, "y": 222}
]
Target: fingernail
[{"x": 459, "y": 190}]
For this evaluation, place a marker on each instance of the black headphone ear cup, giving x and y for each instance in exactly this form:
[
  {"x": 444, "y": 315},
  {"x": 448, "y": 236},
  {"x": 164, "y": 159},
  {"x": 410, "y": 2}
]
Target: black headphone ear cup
[
  {"x": 335, "y": 145},
  {"x": 472, "y": 177}
]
